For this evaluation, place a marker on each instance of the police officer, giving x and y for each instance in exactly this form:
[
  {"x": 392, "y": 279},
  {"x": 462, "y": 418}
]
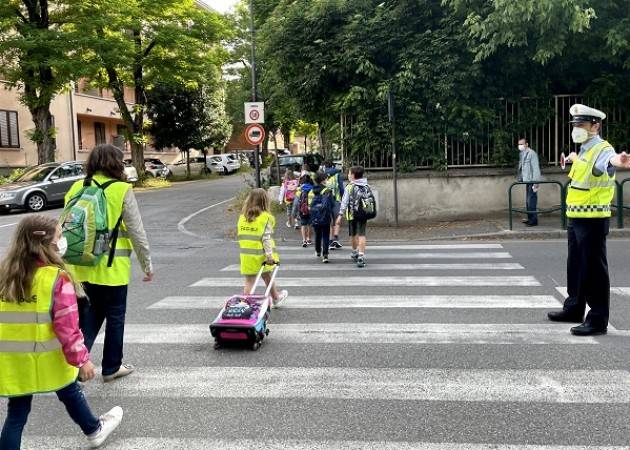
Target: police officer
[{"x": 589, "y": 196}]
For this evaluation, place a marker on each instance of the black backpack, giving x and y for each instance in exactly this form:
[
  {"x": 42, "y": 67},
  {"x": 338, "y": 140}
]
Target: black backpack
[
  {"x": 362, "y": 204},
  {"x": 321, "y": 208}
]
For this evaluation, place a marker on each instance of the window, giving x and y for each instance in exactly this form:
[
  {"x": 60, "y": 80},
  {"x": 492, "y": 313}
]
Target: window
[
  {"x": 9, "y": 134},
  {"x": 66, "y": 171},
  {"x": 80, "y": 131},
  {"x": 99, "y": 133}
]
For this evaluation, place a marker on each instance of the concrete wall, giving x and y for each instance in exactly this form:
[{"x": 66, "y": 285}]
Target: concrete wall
[{"x": 461, "y": 194}]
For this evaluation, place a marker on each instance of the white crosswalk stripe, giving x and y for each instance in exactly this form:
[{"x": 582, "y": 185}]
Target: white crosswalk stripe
[
  {"x": 319, "y": 267},
  {"x": 303, "y": 256},
  {"x": 449, "y": 247},
  {"x": 449, "y": 281},
  {"x": 377, "y": 301}
]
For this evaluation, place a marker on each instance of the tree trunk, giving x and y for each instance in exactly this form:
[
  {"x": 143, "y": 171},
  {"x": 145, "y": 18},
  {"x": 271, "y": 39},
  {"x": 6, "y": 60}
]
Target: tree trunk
[
  {"x": 44, "y": 135},
  {"x": 187, "y": 163},
  {"x": 275, "y": 139},
  {"x": 286, "y": 137}
]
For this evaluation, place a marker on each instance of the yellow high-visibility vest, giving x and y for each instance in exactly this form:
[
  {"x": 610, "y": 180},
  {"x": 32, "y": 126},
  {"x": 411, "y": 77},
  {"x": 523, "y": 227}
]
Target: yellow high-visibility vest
[
  {"x": 119, "y": 273},
  {"x": 31, "y": 358},
  {"x": 250, "y": 241},
  {"x": 590, "y": 196}
]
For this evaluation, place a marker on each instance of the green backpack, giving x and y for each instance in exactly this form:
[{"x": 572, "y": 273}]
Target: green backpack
[{"x": 84, "y": 225}]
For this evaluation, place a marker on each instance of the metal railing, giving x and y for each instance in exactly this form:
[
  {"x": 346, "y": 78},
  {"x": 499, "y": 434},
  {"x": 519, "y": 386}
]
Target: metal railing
[
  {"x": 561, "y": 207},
  {"x": 621, "y": 206}
]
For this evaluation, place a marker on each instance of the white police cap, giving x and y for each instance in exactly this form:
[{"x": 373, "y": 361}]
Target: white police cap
[{"x": 583, "y": 113}]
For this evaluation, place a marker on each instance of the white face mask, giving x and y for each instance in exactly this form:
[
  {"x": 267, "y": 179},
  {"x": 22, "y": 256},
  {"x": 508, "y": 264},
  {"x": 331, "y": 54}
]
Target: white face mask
[
  {"x": 62, "y": 246},
  {"x": 522, "y": 147},
  {"x": 579, "y": 135}
]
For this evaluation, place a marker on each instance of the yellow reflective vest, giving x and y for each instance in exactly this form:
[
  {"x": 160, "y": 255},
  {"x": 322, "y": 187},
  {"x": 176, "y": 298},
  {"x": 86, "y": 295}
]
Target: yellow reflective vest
[
  {"x": 31, "y": 358},
  {"x": 250, "y": 236},
  {"x": 589, "y": 196},
  {"x": 120, "y": 271}
]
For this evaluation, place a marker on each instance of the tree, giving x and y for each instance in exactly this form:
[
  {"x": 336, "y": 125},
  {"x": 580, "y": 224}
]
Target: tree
[
  {"x": 144, "y": 43},
  {"x": 36, "y": 47},
  {"x": 186, "y": 119}
]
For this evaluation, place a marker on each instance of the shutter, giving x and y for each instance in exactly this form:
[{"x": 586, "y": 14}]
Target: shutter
[
  {"x": 14, "y": 135},
  {"x": 4, "y": 129}
]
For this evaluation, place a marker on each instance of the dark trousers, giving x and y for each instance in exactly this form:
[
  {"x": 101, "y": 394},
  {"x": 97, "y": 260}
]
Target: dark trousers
[
  {"x": 531, "y": 203},
  {"x": 587, "y": 270},
  {"x": 322, "y": 239},
  {"x": 109, "y": 304},
  {"x": 20, "y": 407}
]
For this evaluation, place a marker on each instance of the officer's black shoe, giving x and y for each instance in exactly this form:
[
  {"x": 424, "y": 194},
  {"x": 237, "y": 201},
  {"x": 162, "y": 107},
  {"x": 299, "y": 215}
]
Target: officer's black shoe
[
  {"x": 565, "y": 316},
  {"x": 587, "y": 329}
]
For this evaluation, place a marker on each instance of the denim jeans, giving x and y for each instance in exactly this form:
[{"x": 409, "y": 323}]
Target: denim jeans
[
  {"x": 20, "y": 407},
  {"x": 109, "y": 304}
]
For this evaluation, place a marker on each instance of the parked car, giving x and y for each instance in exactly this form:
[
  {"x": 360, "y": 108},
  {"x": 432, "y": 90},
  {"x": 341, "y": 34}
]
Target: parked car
[
  {"x": 153, "y": 167},
  {"x": 295, "y": 162},
  {"x": 197, "y": 167},
  {"x": 41, "y": 186},
  {"x": 224, "y": 164},
  {"x": 132, "y": 173}
]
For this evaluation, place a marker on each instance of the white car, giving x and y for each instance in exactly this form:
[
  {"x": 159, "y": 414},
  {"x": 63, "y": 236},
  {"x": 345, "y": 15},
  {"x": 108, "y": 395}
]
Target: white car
[
  {"x": 224, "y": 164},
  {"x": 131, "y": 172},
  {"x": 197, "y": 167}
]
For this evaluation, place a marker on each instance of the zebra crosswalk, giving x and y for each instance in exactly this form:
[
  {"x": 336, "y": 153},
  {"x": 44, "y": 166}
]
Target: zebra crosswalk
[{"x": 408, "y": 353}]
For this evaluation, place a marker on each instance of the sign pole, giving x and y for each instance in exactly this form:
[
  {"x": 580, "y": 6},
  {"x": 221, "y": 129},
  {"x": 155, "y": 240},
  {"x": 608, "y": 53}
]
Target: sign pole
[
  {"x": 392, "y": 120},
  {"x": 254, "y": 94}
]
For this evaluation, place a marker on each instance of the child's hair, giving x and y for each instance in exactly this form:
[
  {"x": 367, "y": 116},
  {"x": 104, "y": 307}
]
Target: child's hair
[
  {"x": 357, "y": 172},
  {"x": 321, "y": 177},
  {"x": 306, "y": 179},
  {"x": 256, "y": 203},
  {"x": 288, "y": 175},
  {"x": 30, "y": 246}
]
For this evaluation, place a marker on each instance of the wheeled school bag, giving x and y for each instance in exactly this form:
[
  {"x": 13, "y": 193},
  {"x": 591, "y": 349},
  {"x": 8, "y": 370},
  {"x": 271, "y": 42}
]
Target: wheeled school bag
[{"x": 243, "y": 320}]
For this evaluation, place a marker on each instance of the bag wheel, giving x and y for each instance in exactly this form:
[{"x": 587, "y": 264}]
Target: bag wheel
[
  {"x": 217, "y": 346},
  {"x": 255, "y": 346}
]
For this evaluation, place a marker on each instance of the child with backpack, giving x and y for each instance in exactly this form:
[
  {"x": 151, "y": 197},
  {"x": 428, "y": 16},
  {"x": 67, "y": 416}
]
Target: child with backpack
[
  {"x": 321, "y": 213},
  {"x": 358, "y": 205},
  {"x": 41, "y": 345},
  {"x": 301, "y": 208},
  {"x": 287, "y": 195},
  {"x": 335, "y": 183},
  {"x": 255, "y": 230}
]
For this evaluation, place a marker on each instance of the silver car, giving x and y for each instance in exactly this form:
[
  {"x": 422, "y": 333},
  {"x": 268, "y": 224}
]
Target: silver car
[{"x": 40, "y": 186}]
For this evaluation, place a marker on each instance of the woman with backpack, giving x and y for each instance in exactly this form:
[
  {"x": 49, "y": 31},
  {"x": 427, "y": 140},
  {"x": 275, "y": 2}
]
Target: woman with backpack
[
  {"x": 287, "y": 195},
  {"x": 107, "y": 282}
]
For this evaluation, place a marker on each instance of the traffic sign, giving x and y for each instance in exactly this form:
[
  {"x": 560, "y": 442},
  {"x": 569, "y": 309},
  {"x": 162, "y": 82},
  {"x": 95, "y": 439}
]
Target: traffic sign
[
  {"x": 255, "y": 134},
  {"x": 255, "y": 112},
  {"x": 563, "y": 161}
]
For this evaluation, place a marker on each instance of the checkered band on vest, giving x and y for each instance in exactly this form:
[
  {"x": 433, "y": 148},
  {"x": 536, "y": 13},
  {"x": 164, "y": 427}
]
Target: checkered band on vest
[{"x": 588, "y": 208}]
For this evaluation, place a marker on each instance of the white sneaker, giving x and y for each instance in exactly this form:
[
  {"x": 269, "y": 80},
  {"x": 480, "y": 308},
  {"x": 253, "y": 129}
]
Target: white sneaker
[
  {"x": 289, "y": 224},
  {"x": 125, "y": 369},
  {"x": 109, "y": 422},
  {"x": 283, "y": 297}
]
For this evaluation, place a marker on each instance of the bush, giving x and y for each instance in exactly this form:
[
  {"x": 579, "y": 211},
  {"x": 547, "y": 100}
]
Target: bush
[{"x": 14, "y": 175}]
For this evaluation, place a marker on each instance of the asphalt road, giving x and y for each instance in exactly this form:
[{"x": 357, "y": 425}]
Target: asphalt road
[{"x": 434, "y": 346}]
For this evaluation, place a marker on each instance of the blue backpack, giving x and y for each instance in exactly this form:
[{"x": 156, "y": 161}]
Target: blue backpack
[{"x": 320, "y": 207}]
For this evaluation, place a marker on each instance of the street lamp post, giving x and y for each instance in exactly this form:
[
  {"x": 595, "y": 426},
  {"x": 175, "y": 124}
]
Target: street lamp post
[{"x": 254, "y": 88}]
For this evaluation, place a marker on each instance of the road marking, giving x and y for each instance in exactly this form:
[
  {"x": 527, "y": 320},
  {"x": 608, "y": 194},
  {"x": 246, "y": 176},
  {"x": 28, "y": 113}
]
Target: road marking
[
  {"x": 416, "y": 247},
  {"x": 378, "y": 301},
  {"x": 9, "y": 225},
  {"x": 456, "y": 385},
  {"x": 181, "y": 226},
  {"x": 164, "y": 443},
  {"x": 336, "y": 265},
  {"x": 373, "y": 333},
  {"x": 380, "y": 281},
  {"x": 621, "y": 291},
  {"x": 401, "y": 256}
]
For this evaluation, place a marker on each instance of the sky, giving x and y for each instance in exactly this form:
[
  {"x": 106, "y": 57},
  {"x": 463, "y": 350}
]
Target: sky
[{"x": 221, "y": 5}]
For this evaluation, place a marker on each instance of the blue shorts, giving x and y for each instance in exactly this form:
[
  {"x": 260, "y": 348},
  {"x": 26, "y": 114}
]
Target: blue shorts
[
  {"x": 305, "y": 220},
  {"x": 336, "y": 209}
]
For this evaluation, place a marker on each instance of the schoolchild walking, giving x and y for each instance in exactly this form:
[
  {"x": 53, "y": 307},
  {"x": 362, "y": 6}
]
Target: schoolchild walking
[
  {"x": 320, "y": 201},
  {"x": 255, "y": 230},
  {"x": 41, "y": 345},
  {"x": 301, "y": 208},
  {"x": 358, "y": 206},
  {"x": 334, "y": 182},
  {"x": 287, "y": 195}
]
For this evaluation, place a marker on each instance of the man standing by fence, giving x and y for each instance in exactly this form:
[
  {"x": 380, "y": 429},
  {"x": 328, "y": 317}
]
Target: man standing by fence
[
  {"x": 589, "y": 196},
  {"x": 529, "y": 171}
]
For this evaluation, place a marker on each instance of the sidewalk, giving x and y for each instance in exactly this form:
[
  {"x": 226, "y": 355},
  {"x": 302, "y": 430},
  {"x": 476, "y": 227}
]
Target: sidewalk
[{"x": 491, "y": 228}]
